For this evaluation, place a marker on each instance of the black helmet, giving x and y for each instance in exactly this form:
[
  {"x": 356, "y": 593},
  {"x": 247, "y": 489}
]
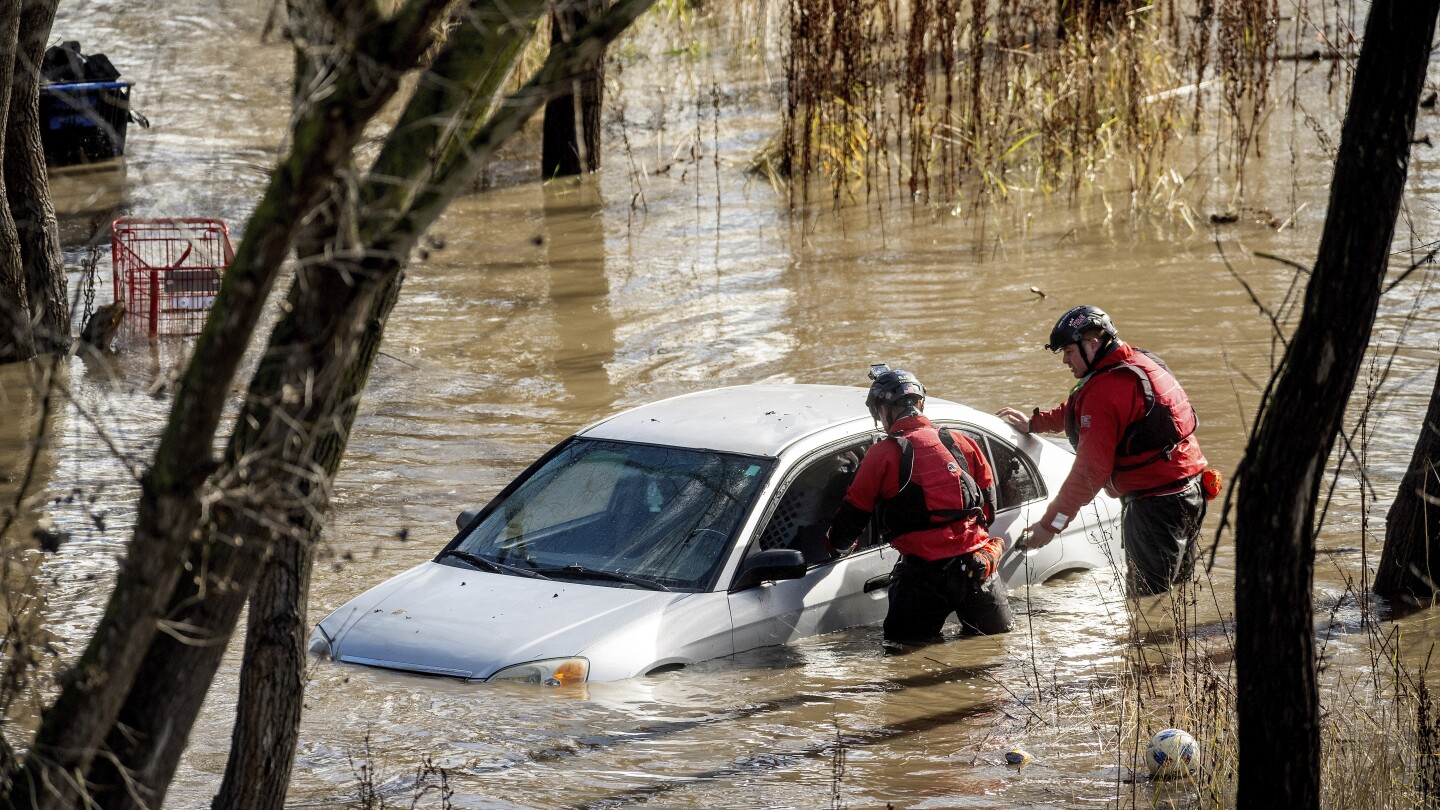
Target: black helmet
[
  {"x": 891, "y": 386},
  {"x": 1074, "y": 324}
]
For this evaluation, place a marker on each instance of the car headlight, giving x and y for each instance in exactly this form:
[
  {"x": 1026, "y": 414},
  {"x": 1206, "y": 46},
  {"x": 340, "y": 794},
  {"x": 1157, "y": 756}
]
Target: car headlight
[{"x": 551, "y": 672}]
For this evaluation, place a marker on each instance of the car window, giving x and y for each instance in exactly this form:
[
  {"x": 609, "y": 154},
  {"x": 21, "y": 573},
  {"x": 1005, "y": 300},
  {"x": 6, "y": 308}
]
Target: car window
[
  {"x": 1016, "y": 482},
  {"x": 663, "y": 514},
  {"x": 803, "y": 512}
]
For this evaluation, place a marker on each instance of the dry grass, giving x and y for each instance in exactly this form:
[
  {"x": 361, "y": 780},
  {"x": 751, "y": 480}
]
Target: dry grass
[
  {"x": 953, "y": 102},
  {"x": 427, "y": 786},
  {"x": 1379, "y": 732}
]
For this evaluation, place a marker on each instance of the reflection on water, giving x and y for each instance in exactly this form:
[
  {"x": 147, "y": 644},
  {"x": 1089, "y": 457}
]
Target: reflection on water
[
  {"x": 574, "y": 238},
  {"x": 542, "y": 308},
  {"x": 87, "y": 198}
]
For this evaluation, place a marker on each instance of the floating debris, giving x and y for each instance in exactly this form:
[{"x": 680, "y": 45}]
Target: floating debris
[
  {"x": 1170, "y": 753},
  {"x": 102, "y": 325}
]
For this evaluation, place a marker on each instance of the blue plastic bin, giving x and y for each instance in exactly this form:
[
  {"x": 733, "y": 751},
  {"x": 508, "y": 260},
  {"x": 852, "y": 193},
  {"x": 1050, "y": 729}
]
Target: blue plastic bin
[{"x": 84, "y": 122}]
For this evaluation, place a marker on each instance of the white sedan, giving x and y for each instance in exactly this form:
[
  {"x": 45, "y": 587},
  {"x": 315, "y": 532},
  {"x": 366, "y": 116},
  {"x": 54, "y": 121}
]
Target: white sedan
[{"x": 685, "y": 530}]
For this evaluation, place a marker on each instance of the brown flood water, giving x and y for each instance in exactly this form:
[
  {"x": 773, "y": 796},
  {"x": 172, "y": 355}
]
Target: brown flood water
[{"x": 673, "y": 271}]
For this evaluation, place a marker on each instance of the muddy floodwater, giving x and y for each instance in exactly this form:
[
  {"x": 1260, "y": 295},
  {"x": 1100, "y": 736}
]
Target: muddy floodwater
[{"x": 539, "y": 309}]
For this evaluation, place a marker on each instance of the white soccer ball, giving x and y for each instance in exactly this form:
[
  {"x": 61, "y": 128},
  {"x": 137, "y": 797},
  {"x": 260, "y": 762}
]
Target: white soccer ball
[{"x": 1170, "y": 753}]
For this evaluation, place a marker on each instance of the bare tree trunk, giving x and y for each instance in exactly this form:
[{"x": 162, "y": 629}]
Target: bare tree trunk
[
  {"x": 564, "y": 135},
  {"x": 277, "y": 470},
  {"x": 169, "y": 509},
  {"x": 289, "y": 568},
  {"x": 257, "y": 774},
  {"x": 16, "y": 339},
  {"x": 408, "y": 187},
  {"x": 268, "y": 717},
  {"x": 473, "y": 65},
  {"x": 1410, "y": 561},
  {"x": 27, "y": 186},
  {"x": 319, "y": 338},
  {"x": 272, "y": 681},
  {"x": 1280, "y": 476},
  {"x": 153, "y": 725}
]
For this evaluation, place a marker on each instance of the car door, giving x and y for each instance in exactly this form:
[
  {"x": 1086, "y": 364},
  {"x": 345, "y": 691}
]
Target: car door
[
  {"x": 832, "y": 595},
  {"x": 1019, "y": 501}
]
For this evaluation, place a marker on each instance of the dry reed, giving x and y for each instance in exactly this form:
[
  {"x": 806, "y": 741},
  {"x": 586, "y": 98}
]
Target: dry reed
[{"x": 948, "y": 101}]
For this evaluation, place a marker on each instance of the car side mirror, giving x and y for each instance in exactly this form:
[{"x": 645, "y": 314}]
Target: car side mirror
[
  {"x": 777, "y": 563},
  {"x": 465, "y": 517}
]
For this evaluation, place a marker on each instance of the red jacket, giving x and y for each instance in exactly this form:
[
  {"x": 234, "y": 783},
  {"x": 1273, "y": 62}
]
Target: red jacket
[
  {"x": 879, "y": 479},
  {"x": 1103, "y": 406}
]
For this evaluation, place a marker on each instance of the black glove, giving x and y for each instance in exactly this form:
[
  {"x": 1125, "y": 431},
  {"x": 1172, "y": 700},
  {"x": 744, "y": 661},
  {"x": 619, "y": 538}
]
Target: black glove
[{"x": 836, "y": 554}]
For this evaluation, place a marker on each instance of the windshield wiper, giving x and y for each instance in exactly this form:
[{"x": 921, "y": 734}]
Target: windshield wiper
[
  {"x": 581, "y": 572},
  {"x": 490, "y": 565}
]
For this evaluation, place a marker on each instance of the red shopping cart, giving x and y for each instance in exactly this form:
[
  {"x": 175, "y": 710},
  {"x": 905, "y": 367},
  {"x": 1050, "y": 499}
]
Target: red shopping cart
[{"x": 167, "y": 271}]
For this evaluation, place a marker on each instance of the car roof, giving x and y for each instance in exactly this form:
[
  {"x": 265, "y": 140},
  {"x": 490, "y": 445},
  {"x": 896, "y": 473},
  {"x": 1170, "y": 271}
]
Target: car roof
[{"x": 758, "y": 420}]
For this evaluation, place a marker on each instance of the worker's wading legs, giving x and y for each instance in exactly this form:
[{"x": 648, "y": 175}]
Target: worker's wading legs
[
  {"x": 987, "y": 608},
  {"x": 923, "y": 596},
  {"x": 1160, "y": 534},
  {"x": 919, "y": 604}
]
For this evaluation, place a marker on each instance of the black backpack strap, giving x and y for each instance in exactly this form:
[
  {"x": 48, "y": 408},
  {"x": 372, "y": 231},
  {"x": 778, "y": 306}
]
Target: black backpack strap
[
  {"x": 949, "y": 441},
  {"x": 907, "y": 461},
  {"x": 987, "y": 494}
]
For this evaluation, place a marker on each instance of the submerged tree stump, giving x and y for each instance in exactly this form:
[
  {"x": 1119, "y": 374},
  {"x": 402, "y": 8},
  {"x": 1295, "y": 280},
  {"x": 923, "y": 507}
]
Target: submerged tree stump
[
  {"x": 1410, "y": 562},
  {"x": 102, "y": 325}
]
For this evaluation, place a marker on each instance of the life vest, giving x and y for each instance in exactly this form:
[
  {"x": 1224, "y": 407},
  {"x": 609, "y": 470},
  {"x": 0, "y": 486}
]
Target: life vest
[
  {"x": 1168, "y": 418},
  {"x": 937, "y": 490}
]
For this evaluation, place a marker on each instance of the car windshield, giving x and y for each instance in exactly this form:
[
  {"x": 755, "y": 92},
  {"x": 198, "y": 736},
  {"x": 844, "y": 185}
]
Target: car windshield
[{"x": 619, "y": 514}]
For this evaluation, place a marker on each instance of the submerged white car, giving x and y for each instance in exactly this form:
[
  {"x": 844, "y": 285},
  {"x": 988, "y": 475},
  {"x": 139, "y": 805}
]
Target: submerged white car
[{"x": 682, "y": 531}]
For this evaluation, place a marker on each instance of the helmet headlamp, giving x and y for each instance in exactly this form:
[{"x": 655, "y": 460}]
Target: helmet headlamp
[{"x": 889, "y": 386}]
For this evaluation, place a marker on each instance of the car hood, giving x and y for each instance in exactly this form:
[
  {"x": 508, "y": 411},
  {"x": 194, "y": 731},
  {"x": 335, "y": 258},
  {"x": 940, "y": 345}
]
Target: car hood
[{"x": 446, "y": 620}]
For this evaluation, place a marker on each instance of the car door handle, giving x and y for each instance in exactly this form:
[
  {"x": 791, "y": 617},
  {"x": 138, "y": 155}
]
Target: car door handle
[{"x": 876, "y": 583}]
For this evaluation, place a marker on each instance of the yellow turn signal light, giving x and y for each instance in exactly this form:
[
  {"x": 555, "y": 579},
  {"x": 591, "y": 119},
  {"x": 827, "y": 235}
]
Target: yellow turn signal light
[{"x": 575, "y": 670}]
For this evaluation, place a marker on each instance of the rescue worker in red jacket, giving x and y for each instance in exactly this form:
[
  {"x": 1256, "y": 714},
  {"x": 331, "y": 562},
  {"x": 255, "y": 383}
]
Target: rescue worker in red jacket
[
  {"x": 1133, "y": 429},
  {"x": 934, "y": 494}
]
